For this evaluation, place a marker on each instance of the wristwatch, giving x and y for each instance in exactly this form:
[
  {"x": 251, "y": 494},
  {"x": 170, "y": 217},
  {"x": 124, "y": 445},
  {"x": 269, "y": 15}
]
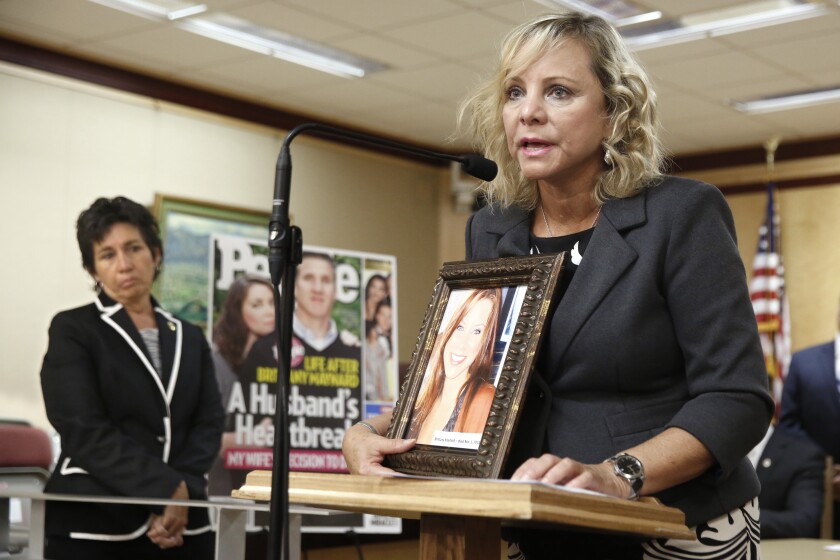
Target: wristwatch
[{"x": 630, "y": 469}]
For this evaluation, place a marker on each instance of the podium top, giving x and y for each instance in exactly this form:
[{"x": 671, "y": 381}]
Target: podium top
[{"x": 515, "y": 503}]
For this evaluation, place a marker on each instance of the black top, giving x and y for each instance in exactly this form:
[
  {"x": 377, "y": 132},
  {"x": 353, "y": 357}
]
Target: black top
[{"x": 574, "y": 245}]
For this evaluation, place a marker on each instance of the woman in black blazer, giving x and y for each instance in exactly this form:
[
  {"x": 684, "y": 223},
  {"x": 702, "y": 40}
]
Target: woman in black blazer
[
  {"x": 131, "y": 391},
  {"x": 650, "y": 378}
]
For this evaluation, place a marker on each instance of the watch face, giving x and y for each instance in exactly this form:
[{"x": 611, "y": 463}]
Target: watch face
[{"x": 629, "y": 465}]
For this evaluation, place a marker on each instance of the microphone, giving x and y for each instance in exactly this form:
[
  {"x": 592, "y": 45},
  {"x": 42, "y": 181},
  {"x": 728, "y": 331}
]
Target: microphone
[
  {"x": 284, "y": 254},
  {"x": 479, "y": 167}
]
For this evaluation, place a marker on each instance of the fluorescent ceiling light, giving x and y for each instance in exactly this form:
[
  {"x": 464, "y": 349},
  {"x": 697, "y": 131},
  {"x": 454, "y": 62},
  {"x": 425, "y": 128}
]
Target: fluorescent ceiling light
[
  {"x": 716, "y": 23},
  {"x": 646, "y": 30},
  {"x": 244, "y": 34},
  {"x": 617, "y": 12},
  {"x": 187, "y": 12},
  {"x": 789, "y": 101},
  {"x": 157, "y": 10},
  {"x": 641, "y": 18}
]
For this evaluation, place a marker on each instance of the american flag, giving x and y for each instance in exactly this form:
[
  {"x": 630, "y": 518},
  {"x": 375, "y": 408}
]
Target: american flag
[{"x": 767, "y": 291}]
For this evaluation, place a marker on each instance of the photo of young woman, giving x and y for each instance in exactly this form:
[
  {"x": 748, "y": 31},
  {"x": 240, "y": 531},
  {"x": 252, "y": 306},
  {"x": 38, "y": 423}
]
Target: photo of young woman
[{"x": 457, "y": 391}]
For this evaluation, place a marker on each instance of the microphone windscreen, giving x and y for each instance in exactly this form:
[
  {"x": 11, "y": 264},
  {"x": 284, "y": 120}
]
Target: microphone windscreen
[{"x": 479, "y": 167}]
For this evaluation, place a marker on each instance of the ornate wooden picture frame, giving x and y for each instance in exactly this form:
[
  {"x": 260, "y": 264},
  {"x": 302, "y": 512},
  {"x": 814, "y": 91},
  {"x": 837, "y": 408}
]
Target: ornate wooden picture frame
[{"x": 469, "y": 373}]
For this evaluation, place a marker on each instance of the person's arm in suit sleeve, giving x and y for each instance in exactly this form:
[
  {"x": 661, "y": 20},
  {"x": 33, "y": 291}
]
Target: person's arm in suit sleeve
[
  {"x": 790, "y": 416},
  {"x": 802, "y": 512},
  {"x": 205, "y": 435},
  {"x": 706, "y": 290}
]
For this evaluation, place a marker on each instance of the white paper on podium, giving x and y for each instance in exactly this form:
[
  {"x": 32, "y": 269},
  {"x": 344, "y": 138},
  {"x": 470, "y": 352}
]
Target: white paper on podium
[{"x": 505, "y": 481}]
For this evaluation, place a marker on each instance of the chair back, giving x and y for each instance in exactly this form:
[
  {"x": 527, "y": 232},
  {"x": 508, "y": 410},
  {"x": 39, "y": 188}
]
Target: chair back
[
  {"x": 22, "y": 445},
  {"x": 25, "y": 459}
]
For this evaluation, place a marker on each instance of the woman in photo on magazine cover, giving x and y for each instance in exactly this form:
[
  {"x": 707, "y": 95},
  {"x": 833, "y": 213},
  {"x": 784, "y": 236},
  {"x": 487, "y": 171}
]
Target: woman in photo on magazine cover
[{"x": 247, "y": 316}]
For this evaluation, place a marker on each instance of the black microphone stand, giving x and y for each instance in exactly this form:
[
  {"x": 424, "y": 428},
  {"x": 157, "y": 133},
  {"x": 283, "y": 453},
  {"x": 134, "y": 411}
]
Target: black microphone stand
[{"x": 285, "y": 247}]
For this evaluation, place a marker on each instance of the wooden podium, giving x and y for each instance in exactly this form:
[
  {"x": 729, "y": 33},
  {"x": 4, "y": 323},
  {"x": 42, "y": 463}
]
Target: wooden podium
[{"x": 461, "y": 519}]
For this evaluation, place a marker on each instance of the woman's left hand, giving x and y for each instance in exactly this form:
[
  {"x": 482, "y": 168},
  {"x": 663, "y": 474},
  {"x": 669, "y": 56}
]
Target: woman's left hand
[{"x": 552, "y": 469}]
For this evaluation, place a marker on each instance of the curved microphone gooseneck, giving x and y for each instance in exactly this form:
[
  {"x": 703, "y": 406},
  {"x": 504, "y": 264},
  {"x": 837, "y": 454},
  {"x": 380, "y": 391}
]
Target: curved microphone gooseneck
[{"x": 285, "y": 244}]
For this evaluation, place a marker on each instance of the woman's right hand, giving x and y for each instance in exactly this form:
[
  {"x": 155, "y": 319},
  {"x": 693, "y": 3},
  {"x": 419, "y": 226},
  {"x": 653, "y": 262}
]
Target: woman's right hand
[
  {"x": 364, "y": 451},
  {"x": 167, "y": 530}
]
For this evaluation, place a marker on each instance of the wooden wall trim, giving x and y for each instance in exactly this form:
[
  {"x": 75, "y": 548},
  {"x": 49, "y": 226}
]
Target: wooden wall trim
[
  {"x": 756, "y": 155},
  {"x": 814, "y": 171},
  {"x": 62, "y": 64}
]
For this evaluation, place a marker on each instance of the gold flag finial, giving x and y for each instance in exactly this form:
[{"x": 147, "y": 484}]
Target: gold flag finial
[{"x": 770, "y": 148}]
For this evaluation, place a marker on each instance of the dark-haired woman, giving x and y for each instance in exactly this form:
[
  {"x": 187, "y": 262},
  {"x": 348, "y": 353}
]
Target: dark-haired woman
[
  {"x": 130, "y": 389},
  {"x": 247, "y": 316}
]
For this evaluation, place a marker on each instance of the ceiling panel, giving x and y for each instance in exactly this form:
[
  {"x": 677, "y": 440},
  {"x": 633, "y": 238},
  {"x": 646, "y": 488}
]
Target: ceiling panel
[
  {"x": 714, "y": 71},
  {"x": 788, "y": 55},
  {"x": 260, "y": 75},
  {"x": 374, "y": 15},
  {"x": 168, "y": 48},
  {"x": 385, "y": 50},
  {"x": 752, "y": 90},
  {"x": 453, "y": 37},
  {"x": 781, "y": 34},
  {"x": 436, "y": 50},
  {"x": 677, "y": 8},
  {"x": 816, "y": 121},
  {"x": 286, "y": 18},
  {"x": 74, "y": 20},
  {"x": 442, "y": 82}
]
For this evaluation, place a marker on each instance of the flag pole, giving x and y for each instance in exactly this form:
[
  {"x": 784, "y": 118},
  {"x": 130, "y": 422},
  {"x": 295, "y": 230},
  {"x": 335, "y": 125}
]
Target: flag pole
[{"x": 775, "y": 366}]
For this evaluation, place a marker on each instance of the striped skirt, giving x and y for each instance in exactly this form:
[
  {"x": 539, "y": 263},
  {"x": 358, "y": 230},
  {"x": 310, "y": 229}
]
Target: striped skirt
[{"x": 732, "y": 536}]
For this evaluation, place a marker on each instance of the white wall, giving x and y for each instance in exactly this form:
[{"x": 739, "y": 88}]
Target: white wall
[{"x": 64, "y": 143}]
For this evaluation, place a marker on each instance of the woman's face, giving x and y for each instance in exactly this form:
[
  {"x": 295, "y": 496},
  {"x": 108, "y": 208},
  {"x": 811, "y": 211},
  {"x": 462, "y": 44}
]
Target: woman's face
[
  {"x": 377, "y": 290},
  {"x": 258, "y": 309},
  {"x": 384, "y": 318},
  {"x": 124, "y": 264},
  {"x": 461, "y": 350},
  {"x": 555, "y": 116}
]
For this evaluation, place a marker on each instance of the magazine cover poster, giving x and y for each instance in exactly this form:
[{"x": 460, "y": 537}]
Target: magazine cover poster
[{"x": 343, "y": 360}]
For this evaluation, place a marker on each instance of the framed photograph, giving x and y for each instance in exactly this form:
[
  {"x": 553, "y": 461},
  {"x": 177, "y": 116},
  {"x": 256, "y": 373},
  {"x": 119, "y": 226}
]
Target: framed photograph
[
  {"x": 470, "y": 369},
  {"x": 186, "y": 226}
]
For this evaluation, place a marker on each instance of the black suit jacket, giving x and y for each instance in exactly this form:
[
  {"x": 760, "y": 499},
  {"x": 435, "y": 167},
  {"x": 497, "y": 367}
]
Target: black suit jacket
[
  {"x": 125, "y": 430},
  {"x": 810, "y": 398},
  {"x": 655, "y": 330},
  {"x": 792, "y": 489}
]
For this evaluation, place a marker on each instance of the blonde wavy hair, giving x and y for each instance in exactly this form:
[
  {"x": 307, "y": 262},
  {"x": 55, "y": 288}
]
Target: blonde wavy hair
[{"x": 637, "y": 155}]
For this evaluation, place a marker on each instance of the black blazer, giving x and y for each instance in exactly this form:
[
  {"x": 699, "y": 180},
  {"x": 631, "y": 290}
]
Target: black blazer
[
  {"x": 124, "y": 430},
  {"x": 791, "y": 471},
  {"x": 655, "y": 330}
]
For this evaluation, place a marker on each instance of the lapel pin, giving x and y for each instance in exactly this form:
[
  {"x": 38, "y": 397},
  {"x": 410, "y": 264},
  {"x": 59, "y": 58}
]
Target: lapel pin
[
  {"x": 767, "y": 462},
  {"x": 171, "y": 325}
]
